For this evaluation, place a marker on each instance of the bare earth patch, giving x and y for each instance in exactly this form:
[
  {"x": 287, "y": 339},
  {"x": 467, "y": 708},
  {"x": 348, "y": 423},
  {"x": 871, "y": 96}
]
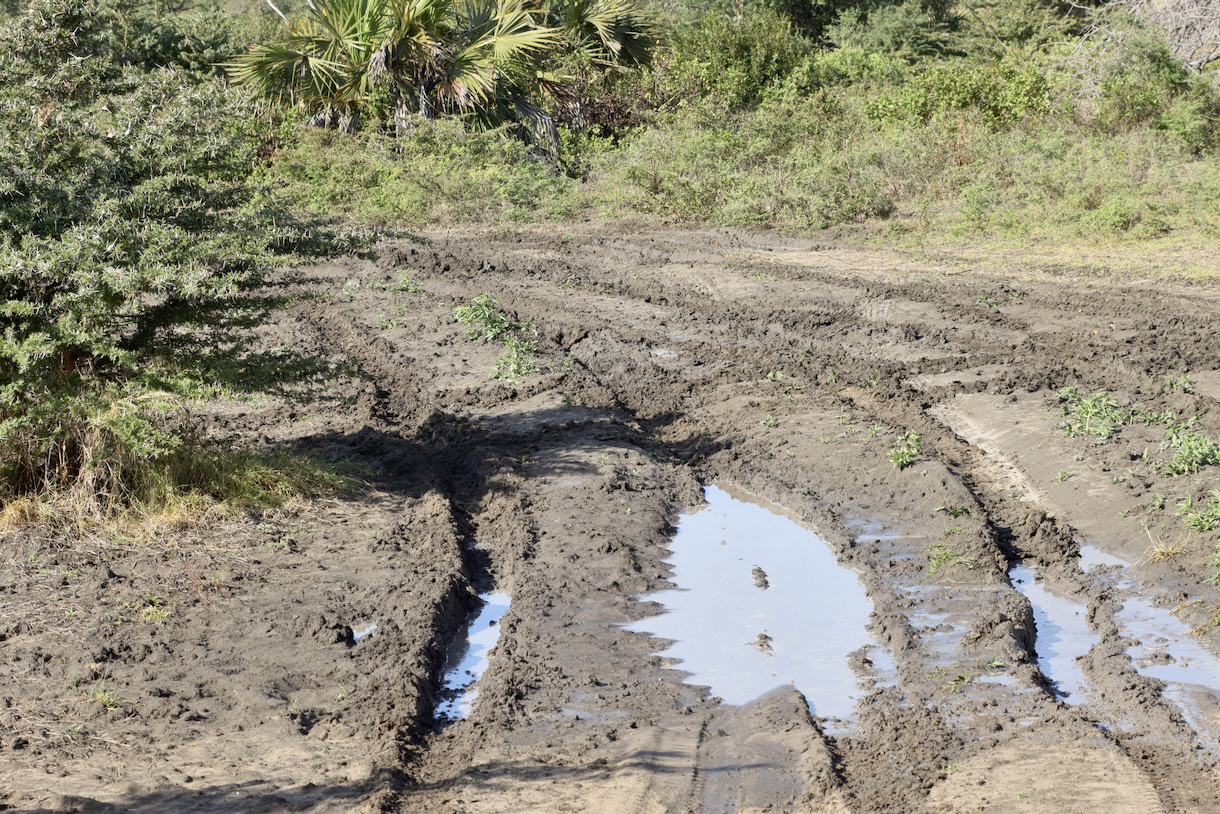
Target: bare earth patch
[{"x": 219, "y": 669}]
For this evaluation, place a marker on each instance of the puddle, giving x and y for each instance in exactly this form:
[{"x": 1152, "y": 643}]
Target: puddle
[
  {"x": 1091, "y": 557},
  {"x": 762, "y": 603},
  {"x": 359, "y": 635},
  {"x": 1166, "y": 650},
  {"x": 1063, "y": 633},
  {"x": 467, "y": 658}
]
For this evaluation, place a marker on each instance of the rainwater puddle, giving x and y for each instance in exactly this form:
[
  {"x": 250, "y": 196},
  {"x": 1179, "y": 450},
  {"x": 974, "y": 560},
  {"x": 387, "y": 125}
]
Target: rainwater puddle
[
  {"x": 762, "y": 603},
  {"x": 1165, "y": 650},
  {"x": 1063, "y": 633},
  {"x": 360, "y": 635},
  {"x": 1091, "y": 556},
  {"x": 467, "y": 658}
]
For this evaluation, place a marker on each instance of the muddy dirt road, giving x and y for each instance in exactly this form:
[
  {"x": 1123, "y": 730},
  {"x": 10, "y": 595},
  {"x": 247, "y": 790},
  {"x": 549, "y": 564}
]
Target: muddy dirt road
[{"x": 1034, "y": 627}]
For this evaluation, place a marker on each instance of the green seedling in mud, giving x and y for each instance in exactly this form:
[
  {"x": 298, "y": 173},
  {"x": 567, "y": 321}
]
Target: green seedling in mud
[
  {"x": 1183, "y": 383},
  {"x": 873, "y": 379},
  {"x": 937, "y": 672},
  {"x": 942, "y": 556},
  {"x": 955, "y": 511},
  {"x": 843, "y": 418},
  {"x": 1096, "y": 414},
  {"x": 790, "y": 454},
  {"x": 1063, "y": 475},
  {"x": 1157, "y": 504},
  {"x": 769, "y": 421},
  {"x": 1206, "y": 518},
  {"x": 775, "y": 375},
  {"x": 405, "y": 284},
  {"x": 516, "y": 361},
  {"x": 758, "y": 275},
  {"x": 100, "y": 695},
  {"x": 1192, "y": 450},
  {"x": 990, "y": 302},
  {"x": 154, "y": 610},
  {"x": 906, "y": 450},
  {"x": 875, "y": 430},
  {"x": 960, "y": 682},
  {"x": 994, "y": 664},
  {"x": 949, "y": 532},
  {"x": 388, "y": 322},
  {"x": 487, "y": 321}
]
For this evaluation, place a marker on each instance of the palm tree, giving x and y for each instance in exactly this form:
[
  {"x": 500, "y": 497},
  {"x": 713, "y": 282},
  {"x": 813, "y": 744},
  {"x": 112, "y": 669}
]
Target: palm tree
[{"x": 349, "y": 58}]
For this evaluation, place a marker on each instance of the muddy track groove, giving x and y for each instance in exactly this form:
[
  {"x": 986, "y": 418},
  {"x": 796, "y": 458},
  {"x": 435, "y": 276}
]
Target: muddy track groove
[{"x": 669, "y": 361}]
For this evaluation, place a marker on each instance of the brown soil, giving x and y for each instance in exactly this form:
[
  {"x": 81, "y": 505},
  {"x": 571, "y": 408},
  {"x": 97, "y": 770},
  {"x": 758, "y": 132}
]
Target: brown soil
[{"x": 216, "y": 670}]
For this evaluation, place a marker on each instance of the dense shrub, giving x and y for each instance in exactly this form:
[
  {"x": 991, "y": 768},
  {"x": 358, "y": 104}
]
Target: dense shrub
[
  {"x": 123, "y": 231},
  {"x": 440, "y": 171}
]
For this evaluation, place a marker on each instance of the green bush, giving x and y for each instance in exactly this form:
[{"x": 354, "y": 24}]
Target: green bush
[
  {"x": 124, "y": 232},
  {"x": 733, "y": 59},
  {"x": 1001, "y": 93},
  {"x": 439, "y": 171}
]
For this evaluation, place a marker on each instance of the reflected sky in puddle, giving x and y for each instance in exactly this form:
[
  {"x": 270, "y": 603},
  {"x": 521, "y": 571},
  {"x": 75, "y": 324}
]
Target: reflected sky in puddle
[
  {"x": 1063, "y": 633},
  {"x": 466, "y": 659},
  {"x": 1166, "y": 650},
  {"x": 762, "y": 602}
]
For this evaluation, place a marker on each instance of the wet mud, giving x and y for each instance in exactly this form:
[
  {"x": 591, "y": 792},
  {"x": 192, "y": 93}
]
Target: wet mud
[{"x": 236, "y": 668}]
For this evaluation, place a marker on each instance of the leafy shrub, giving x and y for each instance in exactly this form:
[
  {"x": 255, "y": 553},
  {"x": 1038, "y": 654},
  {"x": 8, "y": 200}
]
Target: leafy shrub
[
  {"x": 1002, "y": 93},
  {"x": 122, "y": 231},
  {"x": 734, "y": 59},
  {"x": 908, "y": 30},
  {"x": 437, "y": 171}
]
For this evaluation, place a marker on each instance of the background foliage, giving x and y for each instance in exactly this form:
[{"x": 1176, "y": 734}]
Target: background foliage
[{"x": 144, "y": 197}]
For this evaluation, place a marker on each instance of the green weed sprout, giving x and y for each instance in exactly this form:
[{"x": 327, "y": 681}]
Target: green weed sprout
[{"x": 906, "y": 450}]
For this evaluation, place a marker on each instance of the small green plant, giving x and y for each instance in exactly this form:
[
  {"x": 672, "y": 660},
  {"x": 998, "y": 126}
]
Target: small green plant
[
  {"x": 775, "y": 375},
  {"x": 387, "y": 322},
  {"x": 517, "y": 360},
  {"x": 98, "y": 694},
  {"x": 949, "y": 532},
  {"x": 872, "y": 380},
  {"x": 487, "y": 321},
  {"x": 1063, "y": 475},
  {"x": 1192, "y": 450},
  {"x": 990, "y": 302},
  {"x": 954, "y": 511},
  {"x": 942, "y": 556},
  {"x": 906, "y": 450},
  {"x": 1158, "y": 503},
  {"x": 1095, "y": 414},
  {"x": 405, "y": 284},
  {"x": 1183, "y": 383},
  {"x": 1206, "y": 518},
  {"x": 154, "y": 610},
  {"x": 769, "y": 421},
  {"x": 875, "y": 430}
]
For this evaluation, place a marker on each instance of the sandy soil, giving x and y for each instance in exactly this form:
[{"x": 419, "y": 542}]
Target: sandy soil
[{"x": 216, "y": 670}]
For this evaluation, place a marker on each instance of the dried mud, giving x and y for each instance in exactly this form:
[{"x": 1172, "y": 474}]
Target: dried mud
[{"x": 216, "y": 670}]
